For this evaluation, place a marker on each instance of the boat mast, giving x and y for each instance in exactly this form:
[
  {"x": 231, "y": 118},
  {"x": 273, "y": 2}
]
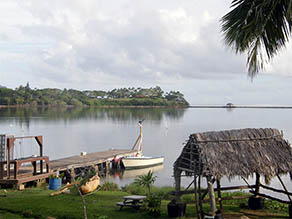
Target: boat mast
[{"x": 140, "y": 138}]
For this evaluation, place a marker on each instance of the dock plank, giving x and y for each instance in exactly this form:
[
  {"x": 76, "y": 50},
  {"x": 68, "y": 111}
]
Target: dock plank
[
  {"x": 25, "y": 172},
  {"x": 89, "y": 159}
]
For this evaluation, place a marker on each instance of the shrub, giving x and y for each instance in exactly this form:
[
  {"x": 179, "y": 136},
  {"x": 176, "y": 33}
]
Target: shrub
[
  {"x": 164, "y": 191},
  {"x": 109, "y": 186},
  {"x": 134, "y": 189},
  {"x": 153, "y": 204}
]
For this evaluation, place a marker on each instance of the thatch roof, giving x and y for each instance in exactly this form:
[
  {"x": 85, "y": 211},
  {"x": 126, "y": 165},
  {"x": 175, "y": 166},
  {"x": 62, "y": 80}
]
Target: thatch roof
[{"x": 236, "y": 153}]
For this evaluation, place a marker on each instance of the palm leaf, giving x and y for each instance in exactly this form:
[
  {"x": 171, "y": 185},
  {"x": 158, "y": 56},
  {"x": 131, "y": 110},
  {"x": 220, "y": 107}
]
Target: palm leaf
[
  {"x": 259, "y": 27},
  {"x": 145, "y": 180}
]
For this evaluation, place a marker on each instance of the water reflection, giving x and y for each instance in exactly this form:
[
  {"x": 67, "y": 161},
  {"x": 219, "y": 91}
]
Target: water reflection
[
  {"x": 24, "y": 115},
  {"x": 68, "y": 131},
  {"x": 130, "y": 174}
]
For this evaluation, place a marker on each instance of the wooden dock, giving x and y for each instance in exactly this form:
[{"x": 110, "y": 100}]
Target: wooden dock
[
  {"x": 28, "y": 173},
  {"x": 90, "y": 159}
]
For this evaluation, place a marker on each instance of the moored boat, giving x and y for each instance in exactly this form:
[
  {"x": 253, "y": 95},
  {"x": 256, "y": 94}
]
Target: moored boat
[{"x": 140, "y": 161}]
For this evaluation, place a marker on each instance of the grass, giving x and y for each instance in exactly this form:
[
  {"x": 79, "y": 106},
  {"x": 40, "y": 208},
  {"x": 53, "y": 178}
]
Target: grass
[{"x": 37, "y": 203}]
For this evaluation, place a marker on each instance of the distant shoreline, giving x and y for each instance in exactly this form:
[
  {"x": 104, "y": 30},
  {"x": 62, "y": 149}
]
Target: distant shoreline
[
  {"x": 191, "y": 106},
  {"x": 242, "y": 106},
  {"x": 85, "y": 106}
]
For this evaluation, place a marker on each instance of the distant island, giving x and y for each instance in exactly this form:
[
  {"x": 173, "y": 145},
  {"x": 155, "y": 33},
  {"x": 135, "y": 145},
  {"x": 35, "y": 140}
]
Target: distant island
[{"x": 25, "y": 96}]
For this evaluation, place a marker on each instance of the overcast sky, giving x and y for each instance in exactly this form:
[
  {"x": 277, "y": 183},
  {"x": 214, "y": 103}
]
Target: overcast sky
[{"x": 101, "y": 45}]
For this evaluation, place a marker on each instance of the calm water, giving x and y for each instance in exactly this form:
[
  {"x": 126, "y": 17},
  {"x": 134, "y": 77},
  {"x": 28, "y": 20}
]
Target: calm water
[{"x": 67, "y": 132}]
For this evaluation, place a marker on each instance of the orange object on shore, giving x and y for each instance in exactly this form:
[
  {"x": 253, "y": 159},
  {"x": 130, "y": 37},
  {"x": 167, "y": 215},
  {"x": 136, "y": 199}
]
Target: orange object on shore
[{"x": 91, "y": 185}]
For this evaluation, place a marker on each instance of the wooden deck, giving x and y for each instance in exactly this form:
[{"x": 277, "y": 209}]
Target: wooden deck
[
  {"x": 89, "y": 159},
  {"x": 98, "y": 158}
]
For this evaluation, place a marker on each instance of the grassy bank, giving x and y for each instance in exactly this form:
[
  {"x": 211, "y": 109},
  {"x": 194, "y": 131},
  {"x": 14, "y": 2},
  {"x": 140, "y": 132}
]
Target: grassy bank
[{"x": 37, "y": 203}]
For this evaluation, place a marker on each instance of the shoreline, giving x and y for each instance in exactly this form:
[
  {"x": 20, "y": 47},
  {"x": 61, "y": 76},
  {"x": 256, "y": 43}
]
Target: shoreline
[
  {"x": 243, "y": 106},
  {"x": 85, "y": 106},
  {"x": 178, "y": 107}
]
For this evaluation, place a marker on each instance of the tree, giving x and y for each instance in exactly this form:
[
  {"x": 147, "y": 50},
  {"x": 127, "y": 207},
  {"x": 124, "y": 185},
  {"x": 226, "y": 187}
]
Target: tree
[
  {"x": 146, "y": 180},
  {"x": 260, "y": 28}
]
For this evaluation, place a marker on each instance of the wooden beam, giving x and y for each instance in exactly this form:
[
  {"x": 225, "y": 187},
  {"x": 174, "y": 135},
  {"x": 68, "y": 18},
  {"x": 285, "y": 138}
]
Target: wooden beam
[
  {"x": 246, "y": 182},
  {"x": 22, "y": 137},
  {"x": 215, "y": 189},
  {"x": 276, "y": 190},
  {"x": 191, "y": 184},
  {"x": 185, "y": 169},
  {"x": 272, "y": 198},
  {"x": 229, "y": 198},
  {"x": 286, "y": 190}
]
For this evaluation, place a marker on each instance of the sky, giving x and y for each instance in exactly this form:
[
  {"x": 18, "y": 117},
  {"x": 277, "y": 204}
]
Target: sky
[{"x": 102, "y": 45}]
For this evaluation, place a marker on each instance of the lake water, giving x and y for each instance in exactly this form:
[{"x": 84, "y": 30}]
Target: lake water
[{"x": 67, "y": 132}]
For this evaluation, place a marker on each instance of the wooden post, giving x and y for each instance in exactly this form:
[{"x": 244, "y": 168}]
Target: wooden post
[
  {"x": 107, "y": 167},
  {"x": 200, "y": 197},
  {"x": 39, "y": 140},
  {"x": 196, "y": 196},
  {"x": 1, "y": 169},
  {"x": 257, "y": 183},
  {"x": 212, "y": 196},
  {"x": 177, "y": 180},
  {"x": 10, "y": 144},
  {"x": 219, "y": 195},
  {"x": 284, "y": 188}
]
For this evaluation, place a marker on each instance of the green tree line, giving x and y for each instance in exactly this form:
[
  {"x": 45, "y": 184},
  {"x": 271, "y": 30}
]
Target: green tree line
[{"x": 24, "y": 95}]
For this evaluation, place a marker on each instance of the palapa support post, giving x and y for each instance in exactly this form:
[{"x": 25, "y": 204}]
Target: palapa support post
[
  {"x": 257, "y": 183},
  {"x": 256, "y": 202},
  {"x": 212, "y": 196},
  {"x": 200, "y": 197},
  {"x": 219, "y": 195},
  {"x": 196, "y": 197},
  {"x": 177, "y": 174}
]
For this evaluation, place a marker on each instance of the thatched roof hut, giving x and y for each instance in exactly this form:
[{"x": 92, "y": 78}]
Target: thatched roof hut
[
  {"x": 236, "y": 153},
  {"x": 230, "y": 153}
]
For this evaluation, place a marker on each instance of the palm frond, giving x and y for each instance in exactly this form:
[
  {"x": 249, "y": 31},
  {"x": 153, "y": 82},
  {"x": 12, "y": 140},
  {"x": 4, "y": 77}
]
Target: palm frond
[
  {"x": 145, "y": 180},
  {"x": 259, "y": 27}
]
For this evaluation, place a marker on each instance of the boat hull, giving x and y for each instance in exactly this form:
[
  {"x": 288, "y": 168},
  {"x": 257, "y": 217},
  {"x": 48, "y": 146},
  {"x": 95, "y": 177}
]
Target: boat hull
[{"x": 141, "y": 162}]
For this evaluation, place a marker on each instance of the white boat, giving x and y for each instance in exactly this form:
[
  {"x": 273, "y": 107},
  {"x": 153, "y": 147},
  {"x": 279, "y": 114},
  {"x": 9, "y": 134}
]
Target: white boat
[{"x": 140, "y": 161}]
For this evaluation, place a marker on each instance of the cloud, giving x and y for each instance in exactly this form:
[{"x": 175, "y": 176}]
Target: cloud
[
  {"x": 100, "y": 45},
  {"x": 149, "y": 41}
]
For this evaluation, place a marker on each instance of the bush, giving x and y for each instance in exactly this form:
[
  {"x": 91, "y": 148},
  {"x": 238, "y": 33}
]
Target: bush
[
  {"x": 275, "y": 206},
  {"x": 164, "y": 191},
  {"x": 109, "y": 186},
  {"x": 188, "y": 198},
  {"x": 153, "y": 204},
  {"x": 134, "y": 189}
]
